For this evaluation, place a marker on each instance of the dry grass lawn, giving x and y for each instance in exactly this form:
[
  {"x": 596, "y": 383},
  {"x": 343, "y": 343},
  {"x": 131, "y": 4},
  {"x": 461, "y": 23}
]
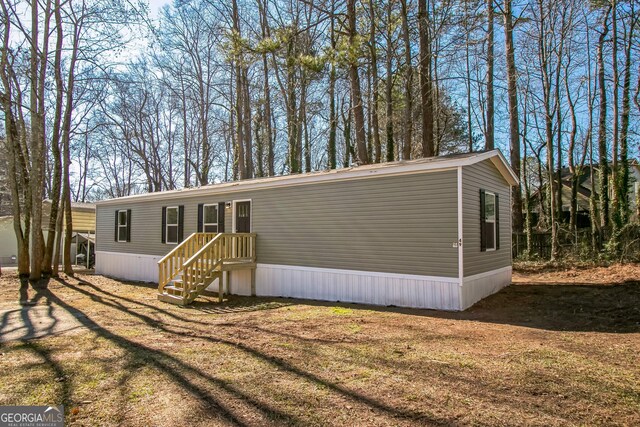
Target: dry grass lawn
[{"x": 555, "y": 348}]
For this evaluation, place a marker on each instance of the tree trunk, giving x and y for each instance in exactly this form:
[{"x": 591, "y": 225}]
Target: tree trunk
[
  {"x": 408, "y": 83},
  {"x": 66, "y": 144},
  {"x": 558, "y": 110},
  {"x": 260, "y": 142},
  {"x": 292, "y": 119},
  {"x": 57, "y": 254},
  {"x": 467, "y": 32},
  {"x": 331, "y": 148},
  {"x": 239, "y": 154},
  {"x": 527, "y": 192},
  {"x": 55, "y": 148},
  {"x": 389, "y": 89},
  {"x": 346, "y": 134},
  {"x": 426, "y": 89},
  {"x": 489, "y": 135},
  {"x": 623, "y": 187},
  {"x": 514, "y": 119},
  {"x": 603, "y": 176},
  {"x": 267, "y": 95},
  {"x": 375, "y": 124},
  {"x": 37, "y": 74},
  {"x": 546, "y": 89},
  {"x": 248, "y": 141},
  {"x": 615, "y": 202},
  {"x": 356, "y": 95},
  {"x": 575, "y": 172},
  {"x": 15, "y": 170},
  {"x": 303, "y": 132}
]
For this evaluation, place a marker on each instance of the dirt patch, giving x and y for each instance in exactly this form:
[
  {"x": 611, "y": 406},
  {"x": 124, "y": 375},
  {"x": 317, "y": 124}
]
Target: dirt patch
[
  {"x": 29, "y": 322},
  {"x": 553, "y": 349},
  {"x": 612, "y": 275}
]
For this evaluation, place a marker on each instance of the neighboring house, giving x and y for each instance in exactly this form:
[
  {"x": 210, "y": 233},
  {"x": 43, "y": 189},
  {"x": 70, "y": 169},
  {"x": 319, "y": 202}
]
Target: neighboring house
[
  {"x": 83, "y": 216},
  {"x": 585, "y": 190},
  {"x": 429, "y": 233},
  {"x": 8, "y": 244}
]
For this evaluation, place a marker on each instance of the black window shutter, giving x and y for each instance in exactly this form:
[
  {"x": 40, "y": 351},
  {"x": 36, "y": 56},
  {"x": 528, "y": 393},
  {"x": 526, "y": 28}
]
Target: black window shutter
[
  {"x": 483, "y": 234},
  {"x": 497, "y": 223},
  {"x": 116, "y": 235},
  {"x": 200, "y": 217},
  {"x": 180, "y": 223},
  {"x": 128, "y": 225},
  {"x": 164, "y": 224},
  {"x": 221, "y": 217}
]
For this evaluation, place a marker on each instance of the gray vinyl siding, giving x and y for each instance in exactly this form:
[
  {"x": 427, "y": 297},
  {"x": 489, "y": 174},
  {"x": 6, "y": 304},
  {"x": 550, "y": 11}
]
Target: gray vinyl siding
[
  {"x": 484, "y": 175},
  {"x": 399, "y": 224}
]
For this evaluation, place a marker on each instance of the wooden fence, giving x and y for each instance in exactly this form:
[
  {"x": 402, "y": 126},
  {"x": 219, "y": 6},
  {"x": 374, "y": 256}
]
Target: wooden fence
[
  {"x": 577, "y": 243},
  {"x": 568, "y": 242}
]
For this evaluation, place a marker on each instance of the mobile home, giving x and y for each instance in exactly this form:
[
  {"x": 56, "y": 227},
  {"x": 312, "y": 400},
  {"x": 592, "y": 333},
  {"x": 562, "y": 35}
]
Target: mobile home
[{"x": 428, "y": 233}]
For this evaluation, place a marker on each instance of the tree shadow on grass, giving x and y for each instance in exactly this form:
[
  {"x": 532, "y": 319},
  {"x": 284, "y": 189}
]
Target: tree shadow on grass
[
  {"x": 611, "y": 308},
  {"x": 234, "y": 304},
  {"x": 35, "y": 318},
  {"x": 60, "y": 377},
  {"x": 231, "y": 305},
  {"x": 179, "y": 372},
  {"x": 174, "y": 368}
]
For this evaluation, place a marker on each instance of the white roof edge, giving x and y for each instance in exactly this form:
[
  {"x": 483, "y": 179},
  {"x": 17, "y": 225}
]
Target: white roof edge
[
  {"x": 505, "y": 169},
  {"x": 340, "y": 175}
]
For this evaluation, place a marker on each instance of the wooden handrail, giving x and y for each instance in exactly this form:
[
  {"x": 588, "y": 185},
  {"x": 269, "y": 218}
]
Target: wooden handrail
[
  {"x": 223, "y": 247},
  {"x": 202, "y": 250},
  {"x": 171, "y": 264},
  {"x": 200, "y": 254}
]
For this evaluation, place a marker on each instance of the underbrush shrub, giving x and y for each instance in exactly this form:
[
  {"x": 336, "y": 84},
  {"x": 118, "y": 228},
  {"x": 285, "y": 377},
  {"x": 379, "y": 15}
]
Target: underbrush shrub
[{"x": 624, "y": 244}]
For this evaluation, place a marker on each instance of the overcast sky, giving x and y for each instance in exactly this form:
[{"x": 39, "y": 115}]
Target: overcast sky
[{"x": 155, "y": 5}]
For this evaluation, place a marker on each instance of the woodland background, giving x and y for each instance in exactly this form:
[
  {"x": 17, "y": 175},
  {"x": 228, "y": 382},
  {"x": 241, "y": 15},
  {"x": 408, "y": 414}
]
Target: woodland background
[{"x": 99, "y": 100}]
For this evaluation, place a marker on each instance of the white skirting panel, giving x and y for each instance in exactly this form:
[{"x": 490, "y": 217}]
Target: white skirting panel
[
  {"x": 327, "y": 284},
  {"x": 442, "y": 293},
  {"x": 479, "y": 286},
  {"x": 137, "y": 267},
  {"x": 240, "y": 282}
]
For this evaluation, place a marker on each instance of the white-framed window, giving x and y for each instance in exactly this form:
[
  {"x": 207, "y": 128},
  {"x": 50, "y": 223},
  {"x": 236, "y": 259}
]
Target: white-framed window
[
  {"x": 490, "y": 221},
  {"x": 122, "y": 226},
  {"x": 172, "y": 225},
  {"x": 210, "y": 218}
]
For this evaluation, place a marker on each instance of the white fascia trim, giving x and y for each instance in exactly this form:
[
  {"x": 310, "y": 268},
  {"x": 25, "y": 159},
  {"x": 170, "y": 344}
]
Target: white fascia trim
[
  {"x": 363, "y": 273},
  {"x": 460, "y": 229},
  {"x": 129, "y": 254},
  {"x": 370, "y": 171},
  {"x": 487, "y": 273},
  {"x": 502, "y": 165}
]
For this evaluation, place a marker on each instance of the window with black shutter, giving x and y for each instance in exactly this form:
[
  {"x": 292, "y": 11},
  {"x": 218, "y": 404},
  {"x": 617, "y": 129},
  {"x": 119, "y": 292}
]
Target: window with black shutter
[
  {"x": 128, "y": 225},
  {"x": 210, "y": 218},
  {"x": 164, "y": 224},
  {"x": 221, "y": 209},
  {"x": 200, "y": 216},
  {"x": 123, "y": 226},
  {"x": 180, "y": 223},
  {"x": 171, "y": 224},
  {"x": 489, "y": 221}
]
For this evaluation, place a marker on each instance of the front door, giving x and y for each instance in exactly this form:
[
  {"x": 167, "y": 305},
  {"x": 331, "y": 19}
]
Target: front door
[{"x": 243, "y": 217}]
